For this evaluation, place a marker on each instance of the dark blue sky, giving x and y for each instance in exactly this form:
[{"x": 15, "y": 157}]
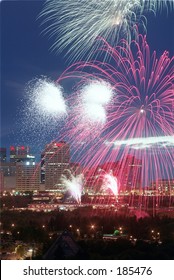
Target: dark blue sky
[{"x": 25, "y": 54}]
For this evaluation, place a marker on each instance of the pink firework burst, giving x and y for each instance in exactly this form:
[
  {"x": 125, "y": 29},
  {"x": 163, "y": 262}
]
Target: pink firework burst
[{"x": 139, "y": 115}]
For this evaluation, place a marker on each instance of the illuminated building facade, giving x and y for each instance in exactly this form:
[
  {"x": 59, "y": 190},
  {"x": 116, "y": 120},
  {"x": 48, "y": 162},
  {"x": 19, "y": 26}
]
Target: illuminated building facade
[
  {"x": 9, "y": 173},
  {"x": 129, "y": 174},
  {"x": 75, "y": 168},
  {"x": 56, "y": 161},
  {"x": 162, "y": 187},
  {"x": 27, "y": 176},
  {"x": 20, "y": 154}
]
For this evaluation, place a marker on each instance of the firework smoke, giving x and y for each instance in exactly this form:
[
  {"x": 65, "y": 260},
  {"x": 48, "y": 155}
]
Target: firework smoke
[{"x": 148, "y": 142}]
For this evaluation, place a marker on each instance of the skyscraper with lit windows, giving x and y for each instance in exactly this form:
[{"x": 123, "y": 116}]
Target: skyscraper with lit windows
[
  {"x": 27, "y": 176},
  {"x": 20, "y": 154},
  {"x": 56, "y": 161}
]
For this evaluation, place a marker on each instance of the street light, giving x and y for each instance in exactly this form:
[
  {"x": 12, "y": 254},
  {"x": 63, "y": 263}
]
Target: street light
[
  {"x": 155, "y": 235},
  {"x": 158, "y": 235},
  {"x": 31, "y": 253},
  {"x": 78, "y": 232}
]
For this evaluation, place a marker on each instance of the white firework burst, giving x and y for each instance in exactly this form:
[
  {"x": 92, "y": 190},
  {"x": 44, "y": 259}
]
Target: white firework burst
[
  {"x": 74, "y": 184},
  {"x": 157, "y": 5},
  {"x": 43, "y": 111},
  {"x": 77, "y": 24},
  {"x": 95, "y": 96},
  {"x": 47, "y": 99}
]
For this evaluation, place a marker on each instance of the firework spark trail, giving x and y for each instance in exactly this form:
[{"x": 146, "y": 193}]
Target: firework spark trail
[
  {"x": 76, "y": 24},
  {"x": 111, "y": 183},
  {"x": 142, "y": 107},
  {"x": 157, "y": 5},
  {"x": 108, "y": 18},
  {"x": 74, "y": 185}
]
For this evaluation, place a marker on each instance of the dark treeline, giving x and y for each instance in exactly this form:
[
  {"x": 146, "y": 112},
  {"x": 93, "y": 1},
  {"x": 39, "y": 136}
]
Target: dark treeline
[
  {"x": 105, "y": 222},
  {"x": 87, "y": 227}
]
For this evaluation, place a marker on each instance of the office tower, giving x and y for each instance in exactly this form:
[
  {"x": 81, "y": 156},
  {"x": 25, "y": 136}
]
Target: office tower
[
  {"x": 3, "y": 154},
  {"x": 75, "y": 168},
  {"x": 95, "y": 180},
  {"x": 9, "y": 172},
  {"x": 20, "y": 154},
  {"x": 162, "y": 187},
  {"x": 27, "y": 176},
  {"x": 129, "y": 174},
  {"x": 56, "y": 161}
]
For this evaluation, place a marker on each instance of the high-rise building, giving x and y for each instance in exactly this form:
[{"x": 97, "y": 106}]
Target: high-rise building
[
  {"x": 75, "y": 168},
  {"x": 9, "y": 172},
  {"x": 56, "y": 160},
  {"x": 20, "y": 154},
  {"x": 96, "y": 176},
  {"x": 27, "y": 176},
  {"x": 162, "y": 187},
  {"x": 129, "y": 174},
  {"x": 3, "y": 154},
  {"x": 13, "y": 153}
]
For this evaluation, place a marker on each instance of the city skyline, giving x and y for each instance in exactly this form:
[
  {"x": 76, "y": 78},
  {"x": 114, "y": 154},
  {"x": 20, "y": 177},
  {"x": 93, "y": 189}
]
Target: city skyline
[{"x": 26, "y": 54}]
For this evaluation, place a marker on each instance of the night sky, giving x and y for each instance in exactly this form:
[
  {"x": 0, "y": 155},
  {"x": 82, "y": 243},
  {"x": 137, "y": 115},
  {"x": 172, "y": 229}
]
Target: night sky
[{"x": 25, "y": 54}]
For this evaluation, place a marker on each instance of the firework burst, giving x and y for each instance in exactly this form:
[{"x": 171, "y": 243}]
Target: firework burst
[
  {"x": 88, "y": 107},
  {"x": 75, "y": 25},
  {"x": 157, "y": 5},
  {"x": 140, "y": 114},
  {"x": 43, "y": 112},
  {"x": 74, "y": 185},
  {"x": 111, "y": 182},
  {"x": 47, "y": 98}
]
